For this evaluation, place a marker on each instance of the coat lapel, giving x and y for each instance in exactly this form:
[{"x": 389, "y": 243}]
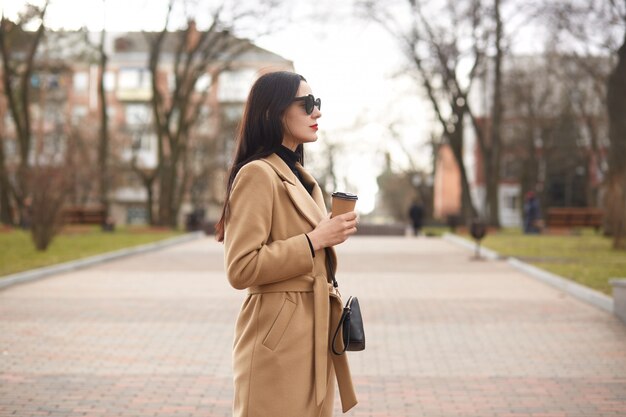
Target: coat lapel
[{"x": 312, "y": 206}]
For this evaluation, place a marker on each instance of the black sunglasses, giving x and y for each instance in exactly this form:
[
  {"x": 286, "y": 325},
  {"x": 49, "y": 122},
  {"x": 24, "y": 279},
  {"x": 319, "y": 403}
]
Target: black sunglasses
[{"x": 310, "y": 102}]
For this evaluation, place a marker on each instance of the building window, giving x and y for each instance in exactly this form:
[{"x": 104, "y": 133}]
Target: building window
[
  {"x": 511, "y": 202},
  {"x": 144, "y": 141},
  {"x": 510, "y": 167},
  {"x": 8, "y": 120},
  {"x": 134, "y": 78},
  {"x": 203, "y": 83},
  {"x": 111, "y": 112},
  {"x": 138, "y": 114},
  {"x": 136, "y": 215},
  {"x": 234, "y": 85},
  {"x": 109, "y": 81},
  {"x": 10, "y": 148},
  {"x": 171, "y": 81},
  {"x": 78, "y": 113},
  {"x": 80, "y": 81},
  {"x": 232, "y": 113}
]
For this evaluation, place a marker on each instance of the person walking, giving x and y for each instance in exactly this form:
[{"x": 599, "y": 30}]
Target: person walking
[
  {"x": 416, "y": 213},
  {"x": 275, "y": 229},
  {"x": 532, "y": 214}
]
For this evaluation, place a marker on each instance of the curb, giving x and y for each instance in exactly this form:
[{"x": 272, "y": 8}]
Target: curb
[
  {"x": 35, "y": 274},
  {"x": 593, "y": 297},
  {"x": 588, "y": 295}
]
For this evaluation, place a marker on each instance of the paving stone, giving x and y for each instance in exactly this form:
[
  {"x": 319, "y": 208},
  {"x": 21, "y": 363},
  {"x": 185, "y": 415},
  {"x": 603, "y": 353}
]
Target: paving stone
[{"x": 151, "y": 335}]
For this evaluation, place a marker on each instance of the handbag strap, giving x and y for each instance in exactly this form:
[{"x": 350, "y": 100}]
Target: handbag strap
[
  {"x": 330, "y": 267},
  {"x": 344, "y": 316},
  {"x": 346, "y": 310}
]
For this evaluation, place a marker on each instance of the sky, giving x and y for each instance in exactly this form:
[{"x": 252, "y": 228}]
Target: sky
[{"x": 351, "y": 63}]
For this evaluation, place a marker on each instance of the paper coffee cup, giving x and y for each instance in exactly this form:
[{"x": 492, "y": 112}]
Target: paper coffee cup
[{"x": 342, "y": 203}]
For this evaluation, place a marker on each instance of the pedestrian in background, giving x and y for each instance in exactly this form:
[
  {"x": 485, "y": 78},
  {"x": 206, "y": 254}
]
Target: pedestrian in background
[
  {"x": 416, "y": 213},
  {"x": 532, "y": 214}
]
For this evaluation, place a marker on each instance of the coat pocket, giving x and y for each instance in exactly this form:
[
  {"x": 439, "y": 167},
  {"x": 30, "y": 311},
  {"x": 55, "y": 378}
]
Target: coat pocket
[{"x": 279, "y": 326}]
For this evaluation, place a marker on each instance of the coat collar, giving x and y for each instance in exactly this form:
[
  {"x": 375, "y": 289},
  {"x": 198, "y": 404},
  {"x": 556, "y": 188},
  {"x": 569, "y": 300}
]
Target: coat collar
[{"x": 312, "y": 206}]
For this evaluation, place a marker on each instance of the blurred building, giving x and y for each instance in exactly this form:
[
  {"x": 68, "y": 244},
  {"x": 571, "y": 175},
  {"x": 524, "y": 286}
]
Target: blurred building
[
  {"x": 134, "y": 145},
  {"x": 554, "y": 135},
  {"x": 447, "y": 185}
]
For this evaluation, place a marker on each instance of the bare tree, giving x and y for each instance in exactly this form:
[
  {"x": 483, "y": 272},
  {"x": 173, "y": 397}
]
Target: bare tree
[
  {"x": 585, "y": 80},
  {"x": 82, "y": 156},
  {"x": 141, "y": 133},
  {"x": 529, "y": 102},
  {"x": 616, "y": 104},
  {"x": 552, "y": 112},
  {"x": 600, "y": 28},
  {"x": 6, "y": 207},
  {"x": 17, "y": 70},
  {"x": 492, "y": 149},
  {"x": 103, "y": 145},
  {"x": 51, "y": 169},
  {"x": 195, "y": 53},
  {"x": 45, "y": 205},
  {"x": 437, "y": 55}
]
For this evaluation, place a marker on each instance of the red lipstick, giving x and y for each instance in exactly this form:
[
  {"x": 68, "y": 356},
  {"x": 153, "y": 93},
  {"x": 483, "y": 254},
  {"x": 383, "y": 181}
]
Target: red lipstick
[{"x": 314, "y": 127}]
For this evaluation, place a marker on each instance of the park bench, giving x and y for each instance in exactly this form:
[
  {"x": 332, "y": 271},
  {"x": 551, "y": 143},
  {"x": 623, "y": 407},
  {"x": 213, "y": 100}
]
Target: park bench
[
  {"x": 83, "y": 215},
  {"x": 568, "y": 217}
]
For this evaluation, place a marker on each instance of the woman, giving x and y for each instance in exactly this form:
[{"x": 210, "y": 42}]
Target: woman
[{"x": 275, "y": 229}]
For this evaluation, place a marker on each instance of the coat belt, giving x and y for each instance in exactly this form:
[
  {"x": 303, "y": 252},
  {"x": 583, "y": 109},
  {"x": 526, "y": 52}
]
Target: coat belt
[{"x": 327, "y": 305}]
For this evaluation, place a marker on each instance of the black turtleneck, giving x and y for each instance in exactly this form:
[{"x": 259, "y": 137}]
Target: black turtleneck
[{"x": 290, "y": 158}]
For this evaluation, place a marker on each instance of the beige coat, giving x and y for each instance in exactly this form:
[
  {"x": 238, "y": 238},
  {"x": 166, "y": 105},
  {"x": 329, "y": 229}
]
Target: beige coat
[{"x": 282, "y": 362}]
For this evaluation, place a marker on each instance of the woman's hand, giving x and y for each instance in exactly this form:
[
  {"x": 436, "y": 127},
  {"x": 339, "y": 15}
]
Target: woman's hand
[{"x": 331, "y": 232}]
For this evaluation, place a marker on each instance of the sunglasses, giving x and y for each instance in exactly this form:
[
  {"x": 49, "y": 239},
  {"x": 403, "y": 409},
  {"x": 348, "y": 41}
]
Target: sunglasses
[{"x": 310, "y": 103}]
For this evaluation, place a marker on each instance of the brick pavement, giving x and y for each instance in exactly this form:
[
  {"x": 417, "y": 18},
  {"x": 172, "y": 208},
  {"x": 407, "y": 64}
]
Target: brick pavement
[{"x": 151, "y": 336}]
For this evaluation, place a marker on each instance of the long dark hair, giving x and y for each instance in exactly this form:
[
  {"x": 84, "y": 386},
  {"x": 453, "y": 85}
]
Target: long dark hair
[{"x": 261, "y": 128}]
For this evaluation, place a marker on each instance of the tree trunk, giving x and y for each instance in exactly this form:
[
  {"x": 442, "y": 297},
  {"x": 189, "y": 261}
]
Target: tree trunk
[
  {"x": 173, "y": 185},
  {"x": 616, "y": 192},
  {"x": 149, "y": 204},
  {"x": 492, "y": 159},
  {"x": 165, "y": 192},
  {"x": 468, "y": 210},
  {"x": 6, "y": 210},
  {"x": 183, "y": 185},
  {"x": 103, "y": 150},
  {"x": 17, "y": 89}
]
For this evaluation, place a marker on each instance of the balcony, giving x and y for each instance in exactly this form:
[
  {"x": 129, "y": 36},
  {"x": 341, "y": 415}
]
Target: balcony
[{"x": 134, "y": 94}]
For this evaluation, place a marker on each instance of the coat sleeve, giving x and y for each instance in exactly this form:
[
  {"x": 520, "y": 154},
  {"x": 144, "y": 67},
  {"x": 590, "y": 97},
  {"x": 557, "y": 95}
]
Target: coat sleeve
[{"x": 250, "y": 259}]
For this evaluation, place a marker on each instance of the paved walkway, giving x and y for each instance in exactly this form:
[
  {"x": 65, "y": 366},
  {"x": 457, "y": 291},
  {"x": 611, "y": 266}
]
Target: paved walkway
[{"x": 151, "y": 336}]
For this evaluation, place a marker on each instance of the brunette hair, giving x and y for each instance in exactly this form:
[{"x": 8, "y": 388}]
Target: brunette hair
[{"x": 261, "y": 128}]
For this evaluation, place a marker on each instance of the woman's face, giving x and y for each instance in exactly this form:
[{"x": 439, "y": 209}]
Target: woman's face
[{"x": 300, "y": 127}]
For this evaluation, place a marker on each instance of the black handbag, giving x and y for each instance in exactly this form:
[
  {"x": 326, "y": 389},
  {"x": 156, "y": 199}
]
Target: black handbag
[{"x": 351, "y": 321}]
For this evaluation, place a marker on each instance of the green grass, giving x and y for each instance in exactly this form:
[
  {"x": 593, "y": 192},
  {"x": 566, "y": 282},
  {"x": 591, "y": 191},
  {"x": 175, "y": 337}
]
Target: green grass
[
  {"x": 584, "y": 257},
  {"x": 17, "y": 251},
  {"x": 434, "y": 231}
]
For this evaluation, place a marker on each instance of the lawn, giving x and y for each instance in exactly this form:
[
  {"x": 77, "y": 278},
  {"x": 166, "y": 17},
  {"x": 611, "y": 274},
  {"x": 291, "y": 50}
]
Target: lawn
[
  {"x": 584, "y": 257},
  {"x": 17, "y": 252}
]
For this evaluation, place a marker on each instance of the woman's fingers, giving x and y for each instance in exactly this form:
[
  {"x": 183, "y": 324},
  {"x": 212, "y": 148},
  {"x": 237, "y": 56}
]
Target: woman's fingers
[
  {"x": 350, "y": 224},
  {"x": 351, "y": 215}
]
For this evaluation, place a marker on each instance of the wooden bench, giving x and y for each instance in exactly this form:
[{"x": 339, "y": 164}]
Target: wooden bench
[
  {"x": 567, "y": 217},
  {"x": 83, "y": 215}
]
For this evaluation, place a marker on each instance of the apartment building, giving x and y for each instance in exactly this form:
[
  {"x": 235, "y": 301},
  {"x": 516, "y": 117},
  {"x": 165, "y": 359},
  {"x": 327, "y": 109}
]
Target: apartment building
[{"x": 128, "y": 88}]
